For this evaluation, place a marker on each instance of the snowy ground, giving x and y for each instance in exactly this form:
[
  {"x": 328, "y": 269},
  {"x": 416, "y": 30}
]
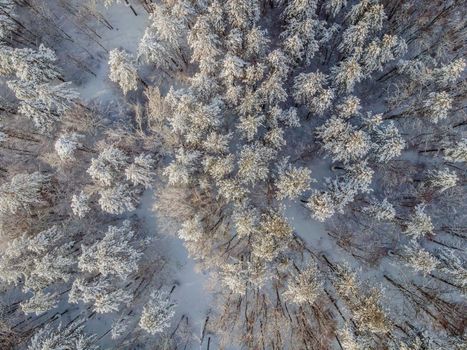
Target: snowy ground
[
  {"x": 190, "y": 294},
  {"x": 128, "y": 30}
]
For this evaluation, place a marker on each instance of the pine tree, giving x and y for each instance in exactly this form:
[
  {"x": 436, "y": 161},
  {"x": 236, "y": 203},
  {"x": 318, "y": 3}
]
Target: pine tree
[
  {"x": 43, "y": 102},
  {"x": 141, "y": 171},
  {"x": 348, "y": 340},
  {"x": 333, "y": 7},
  {"x": 40, "y": 302},
  {"x": 346, "y": 74},
  {"x": 349, "y": 107},
  {"x": 191, "y": 230},
  {"x": 274, "y": 233},
  {"x": 453, "y": 267},
  {"x": 236, "y": 276},
  {"x": 358, "y": 176},
  {"x": 388, "y": 142},
  {"x": 321, "y": 205},
  {"x": 443, "y": 179},
  {"x": 419, "y": 259},
  {"x": 114, "y": 254},
  {"x": 305, "y": 287},
  {"x": 292, "y": 181},
  {"x": 256, "y": 42},
  {"x": 161, "y": 40},
  {"x": 218, "y": 167},
  {"x": 364, "y": 303},
  {"x": 242, "y": 14},
  {"x": 106, "y": 294},
  {"x": 119, "y": 328},
  {"x": 253, "y": 163},
  {"x": 304, "y": 32},
  {"x": 381, "y": 211},
  {"x": 80, "y": 204},
  {"x": 71, "y": 336},
  {"x": 457, "y": 151},
  {"x": 310, "y": 90},
  {"x": 39, "y": 261},
  {"x": 342, "y": 141},
  {"x": 106, "y": 168},
  {"x": 179, "y": 171},
  {"x": 249, "y": 125},
  {"x": 246, "y": 220},
  {"x": 123, "y": 70},
  {"x": 205, "y": 44},
  {"x": 37, "y": 66},
  {"x": 157, "y": 313},
  {"x": 450, "y": 72},
  {"x": 438, "y": 105},
  {"x": 66, "y": 145},
  {"x": 24, "y": 192},
  {"x": 419, "y": 223}
]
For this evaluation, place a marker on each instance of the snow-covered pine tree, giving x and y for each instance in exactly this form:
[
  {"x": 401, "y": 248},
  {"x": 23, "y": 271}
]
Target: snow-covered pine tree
[
  {"x": 157, "y": 313},
  {"x": 123, "y": 70},
  {"x": 114, "y": 254},
  {"x": 24, "y": 192}
]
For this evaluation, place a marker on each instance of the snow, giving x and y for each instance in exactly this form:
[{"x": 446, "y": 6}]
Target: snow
[
  {"x": 191, "y": 294},
  {"x": 191, "y": 287},
  {"x": 311, "y": 231},
  {"x": 127, "y": 31}
]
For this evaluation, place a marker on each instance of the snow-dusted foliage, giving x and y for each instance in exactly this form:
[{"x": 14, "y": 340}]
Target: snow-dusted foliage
[
  {"x": 456, "y": 152},
  {"x": 105, "y": 294},
  {"x": 304, "y": 159},
  {"x": 123, "y": 70},
  {"x": 113, "y": 255},
  {"x": 310, "y": 90},
  {"x": 157, "y": 313},
  {"x": 419, "y": 259},
  {"x": 178, "y": 171},
  {"x": 321, "y": 205},
  {"x": 118, "y": 199},
  {"x": 36, "y": 66},
  {"x": 37, "y": 262},
  {"x": 41, "y": 98},
  {"x": 191, "y": 230},
  {"x": 419, "y": 224},
  {"x": 443, "y": 179},
  {"x": 292, "y": 181},
  {"x": 305, "y": 287},
  {"x": 438, "y": 105},
  {"x": 40, "y": 302},
  {"x": 80, "y": 204},
  {"x": 66, "y": 145},
  {"x": 24, "y": 192},
  {"x": 141, "y": 171},
  {"x": 106, "y": 167},
  {"x": 381, "y": 211},
  {"x": 71, "y": 336}
]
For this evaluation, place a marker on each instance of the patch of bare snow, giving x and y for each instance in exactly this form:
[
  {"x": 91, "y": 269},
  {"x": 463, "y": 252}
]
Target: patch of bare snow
[
  {"x": 126, "y": 34},
  {"x": 191, "y": 294}
]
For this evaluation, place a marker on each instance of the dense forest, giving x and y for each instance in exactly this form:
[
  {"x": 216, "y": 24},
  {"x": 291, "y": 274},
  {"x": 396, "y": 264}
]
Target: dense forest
[{"x": 233, "y": 174}]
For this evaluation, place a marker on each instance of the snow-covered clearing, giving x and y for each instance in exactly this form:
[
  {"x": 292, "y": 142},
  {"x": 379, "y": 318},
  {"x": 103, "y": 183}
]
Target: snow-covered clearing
[
  {"x": 126, "y": 33},
  {"x": 191, "y": 294}
]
